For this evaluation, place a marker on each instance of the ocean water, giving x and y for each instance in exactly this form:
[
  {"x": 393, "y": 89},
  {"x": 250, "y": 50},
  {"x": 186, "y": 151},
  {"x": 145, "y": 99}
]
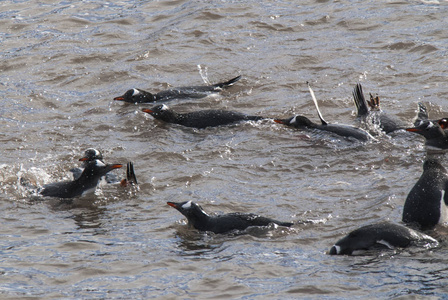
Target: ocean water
[{"x": 63, "y": 63}]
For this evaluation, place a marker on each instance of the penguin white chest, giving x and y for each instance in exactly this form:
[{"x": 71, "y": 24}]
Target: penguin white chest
[{"x": 443, "y": 209}]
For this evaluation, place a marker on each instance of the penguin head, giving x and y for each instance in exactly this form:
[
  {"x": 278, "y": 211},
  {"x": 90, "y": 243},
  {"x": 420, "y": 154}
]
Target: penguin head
[
  {"x": 161, "y": 112},
  {"x": 192, "y": 211},
  {"x": 296, "y": 121},
  {"x": 360, "y": 239},
  {"x": 345, "y": 245},
  {"x": 136, "y": 96},
  {"x": 97, "y": 168},
  {"x": 91, "y": 154},
  {"x": 430, "y": 129}
]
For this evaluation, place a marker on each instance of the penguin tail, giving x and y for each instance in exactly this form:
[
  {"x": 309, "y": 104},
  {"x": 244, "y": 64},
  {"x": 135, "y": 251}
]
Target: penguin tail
[{"x": 360, "y": 101}]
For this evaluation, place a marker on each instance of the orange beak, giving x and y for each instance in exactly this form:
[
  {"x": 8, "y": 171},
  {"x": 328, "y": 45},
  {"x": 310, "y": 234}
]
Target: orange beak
[{"x": 172, "y": 204}]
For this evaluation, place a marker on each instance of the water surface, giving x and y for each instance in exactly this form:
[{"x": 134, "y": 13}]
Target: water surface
[{"x": 63, "y": 63}]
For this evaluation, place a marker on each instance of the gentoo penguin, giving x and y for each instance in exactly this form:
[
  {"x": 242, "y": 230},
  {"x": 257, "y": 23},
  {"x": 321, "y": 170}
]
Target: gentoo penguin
[
  {"x": 141, "y": 96},
  {"x": 339, "y": 129},
  {"x": 199, "y": 119},
  {"x": 202, "y": 221},
  {"x": 92, "y": 154},
  {"x": 381, "y": 235},
  {"x": 88, "y": 181},
  {"x": 426, "y": 204}
]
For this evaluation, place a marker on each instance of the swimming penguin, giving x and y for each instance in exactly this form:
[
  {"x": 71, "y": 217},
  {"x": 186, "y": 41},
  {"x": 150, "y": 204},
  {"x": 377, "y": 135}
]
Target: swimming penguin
[
  {"x": 141, "y": 96},
  {"x": 202, "y": 221},
  {"x": 199, "y": 119},
  {"x": 383, "y": 235},
  {"x": 426, "y": 204},
  {"x": 88, "y": 181},
  {"x": 339, "y": 129},
  {"x": 92, "y": 154}
]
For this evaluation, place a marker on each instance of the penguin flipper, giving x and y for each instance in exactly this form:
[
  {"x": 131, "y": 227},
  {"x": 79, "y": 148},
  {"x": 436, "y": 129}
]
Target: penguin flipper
[
  {"x": 227, "y": 83},
  {"x": 315, "y": 104}
]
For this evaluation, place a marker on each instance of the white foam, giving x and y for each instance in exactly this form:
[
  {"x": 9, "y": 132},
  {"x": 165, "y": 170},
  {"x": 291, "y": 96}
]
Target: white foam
[{"x": 89, "y": 191}]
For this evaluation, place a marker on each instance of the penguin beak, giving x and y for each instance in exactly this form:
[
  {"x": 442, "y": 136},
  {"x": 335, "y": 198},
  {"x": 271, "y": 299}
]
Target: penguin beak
[
  {"x": 147, "y": 110},
  {"x": 115, "y": 166},
  {"x": 172, "y": 204},
  {"x": 83, "y": 159},
  {"x": 121, "y": 98},
  {"x": 279, "y": 121},
  {"x": 413, "y": 129}
]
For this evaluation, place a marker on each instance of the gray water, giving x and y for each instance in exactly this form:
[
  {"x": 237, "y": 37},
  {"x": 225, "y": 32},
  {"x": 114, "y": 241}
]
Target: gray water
[{"x": 63, "y": 62}]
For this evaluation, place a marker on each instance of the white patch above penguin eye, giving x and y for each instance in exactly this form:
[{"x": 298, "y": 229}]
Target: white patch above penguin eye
[
  {"x": 431, "y": 125},
  {"x": 293, "y": 120},
  {"x": 187, "y": 205},
  {"x": 99, "y": 163},
  {"x": 136, "y": 92},
  {"x": 338, "y": 249},
  {"x": 164, "y": 107}
]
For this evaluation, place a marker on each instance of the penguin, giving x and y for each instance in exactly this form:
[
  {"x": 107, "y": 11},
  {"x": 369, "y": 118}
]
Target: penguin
[
  {"x": 199, "y": 119},
  {"x": 141, "y": 96},
  {"x": 202, "y": 221},
  {"x": 339, "y": 129},
  {"x": 92, "y": 154},
  {"x": 88, "y": 181},
  {"x": 426, "y": 203},
  {"x": 384, "y": 235}
]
